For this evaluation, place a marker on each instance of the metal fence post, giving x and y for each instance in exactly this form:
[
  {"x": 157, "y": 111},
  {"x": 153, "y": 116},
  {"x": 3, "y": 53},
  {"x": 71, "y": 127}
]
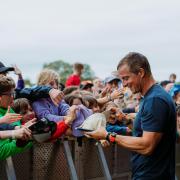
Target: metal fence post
[
  {"x": 103, "y": 163},
  {"x": 70, "y": 160},
  {"x": 10, "y": 169}
]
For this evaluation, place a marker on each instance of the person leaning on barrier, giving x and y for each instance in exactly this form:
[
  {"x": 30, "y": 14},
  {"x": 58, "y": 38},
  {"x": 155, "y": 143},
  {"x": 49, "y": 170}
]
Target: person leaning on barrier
[
  {"x": 8, "y": 146},
  {"x": 154, "y": 128},
  {"x": 23, "y": 107}
]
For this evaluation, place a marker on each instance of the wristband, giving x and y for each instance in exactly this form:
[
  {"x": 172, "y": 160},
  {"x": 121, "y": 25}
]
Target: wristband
[{"x": 111, "y": 137}]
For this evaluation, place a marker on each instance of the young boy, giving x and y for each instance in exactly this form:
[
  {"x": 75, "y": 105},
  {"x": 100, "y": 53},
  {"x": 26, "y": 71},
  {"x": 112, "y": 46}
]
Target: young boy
[
  {"x": 8, "y": 146},
  {"x": 75, "y": 78}
]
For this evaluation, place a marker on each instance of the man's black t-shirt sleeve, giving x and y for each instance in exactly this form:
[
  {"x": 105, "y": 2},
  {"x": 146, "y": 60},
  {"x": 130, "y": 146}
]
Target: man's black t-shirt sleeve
[{"x": 154, "y": 115}]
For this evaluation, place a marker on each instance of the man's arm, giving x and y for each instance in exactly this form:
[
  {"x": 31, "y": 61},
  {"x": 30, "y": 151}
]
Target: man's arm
[{"x": 143, "y": 145}]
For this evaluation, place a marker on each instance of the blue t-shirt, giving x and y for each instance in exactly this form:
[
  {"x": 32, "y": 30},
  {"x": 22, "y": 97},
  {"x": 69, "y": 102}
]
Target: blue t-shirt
[{"x": 156, "y": 114}]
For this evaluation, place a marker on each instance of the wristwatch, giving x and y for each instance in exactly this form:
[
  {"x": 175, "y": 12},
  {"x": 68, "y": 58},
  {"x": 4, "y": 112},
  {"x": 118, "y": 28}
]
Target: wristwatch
[{"x": 111, "y": 136}]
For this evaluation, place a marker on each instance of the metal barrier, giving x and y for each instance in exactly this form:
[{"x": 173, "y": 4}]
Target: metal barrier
[{"x": 73, "y": 159}]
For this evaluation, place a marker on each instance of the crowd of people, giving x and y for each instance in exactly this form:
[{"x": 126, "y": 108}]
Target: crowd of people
[{"x": 129, "y": 108}]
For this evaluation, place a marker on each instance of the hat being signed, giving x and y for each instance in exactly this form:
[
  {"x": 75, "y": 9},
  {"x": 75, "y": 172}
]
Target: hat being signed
[
  {"x": 94, "y": 121},
  {"x": 4, "y": 69}
]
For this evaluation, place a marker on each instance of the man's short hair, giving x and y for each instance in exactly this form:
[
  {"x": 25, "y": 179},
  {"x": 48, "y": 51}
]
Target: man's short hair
[
  {"x": 6, "y": 84},
  {"x": 135, "y": 61}
]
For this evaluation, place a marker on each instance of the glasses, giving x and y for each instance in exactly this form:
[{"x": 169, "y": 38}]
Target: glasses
[{"x": 11, "y": 94}]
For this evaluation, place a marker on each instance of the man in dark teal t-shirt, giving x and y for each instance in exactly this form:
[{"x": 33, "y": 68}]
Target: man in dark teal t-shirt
[
  {"x": 154, "y": 136},
  {"x": 156, "y": 114}
]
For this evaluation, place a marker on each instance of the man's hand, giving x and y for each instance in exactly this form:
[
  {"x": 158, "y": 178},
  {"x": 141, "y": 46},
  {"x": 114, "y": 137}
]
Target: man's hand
[
  {"x": 130, "y": 116},
  {"x": 56, "y": 96},
  {"x": 98, "y": 134},
  {"x": 9, "y": 118},
  {"x": 104, "y": 143}
]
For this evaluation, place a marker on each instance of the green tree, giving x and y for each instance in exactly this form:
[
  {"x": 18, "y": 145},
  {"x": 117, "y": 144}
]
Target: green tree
[
  {"x": 64, "y": 69},
  {"x": 88, "y": 73}
]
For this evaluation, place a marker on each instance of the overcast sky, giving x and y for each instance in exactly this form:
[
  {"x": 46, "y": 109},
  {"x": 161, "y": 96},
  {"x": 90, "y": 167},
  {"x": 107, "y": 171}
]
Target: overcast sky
[{"x": 97, "y": 32}]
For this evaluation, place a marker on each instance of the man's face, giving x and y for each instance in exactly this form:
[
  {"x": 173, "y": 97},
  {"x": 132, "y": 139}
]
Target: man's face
[
  {"x": 129, "y": 79},
  {"x": 6, "y": 98}
]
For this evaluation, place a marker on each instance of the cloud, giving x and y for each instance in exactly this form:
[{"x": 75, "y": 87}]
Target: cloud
[{"x": 95, "y": 32}]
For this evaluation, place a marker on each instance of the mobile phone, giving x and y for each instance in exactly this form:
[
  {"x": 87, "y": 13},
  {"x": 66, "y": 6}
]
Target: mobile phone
[{"x": 83, "y": 129}]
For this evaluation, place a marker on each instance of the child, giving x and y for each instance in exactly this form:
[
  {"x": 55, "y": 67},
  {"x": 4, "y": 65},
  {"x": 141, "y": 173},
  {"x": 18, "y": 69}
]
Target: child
[
  {"x": 23, "y": 107},
  {"x": 73, "y": 99}
]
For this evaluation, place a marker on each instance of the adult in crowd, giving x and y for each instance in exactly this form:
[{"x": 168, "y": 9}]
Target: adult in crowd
[
  {"x": 154, "y": 131},
  {"x": 75, "y": 78},
  {"x": 172, "y": 78}
]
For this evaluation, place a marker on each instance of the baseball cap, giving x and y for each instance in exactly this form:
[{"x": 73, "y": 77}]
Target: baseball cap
[
  {"x": 111, "y": 78},
  {"x": 4, "y": 69}
]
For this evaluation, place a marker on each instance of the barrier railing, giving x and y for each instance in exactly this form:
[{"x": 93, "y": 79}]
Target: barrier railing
[{"x": 76, "y": 159}]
